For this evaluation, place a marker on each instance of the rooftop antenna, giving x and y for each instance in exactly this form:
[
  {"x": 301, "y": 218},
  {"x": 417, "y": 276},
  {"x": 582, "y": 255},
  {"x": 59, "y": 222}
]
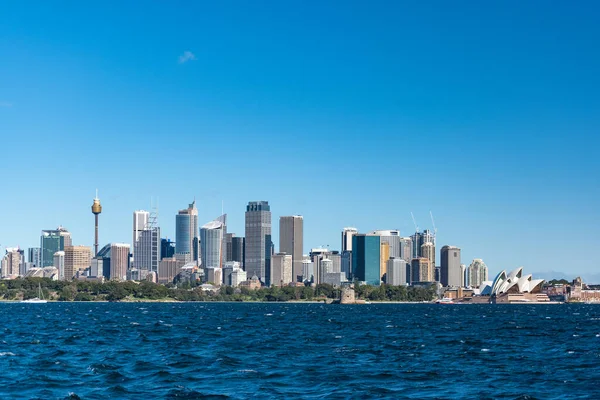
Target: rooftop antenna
[
  {"x": 414, "y": 222},
  {"x": 434, "y": 228}
]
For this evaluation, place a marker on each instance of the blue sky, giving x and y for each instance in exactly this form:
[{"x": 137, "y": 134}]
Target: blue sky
[{"x": 349, "y": 113}]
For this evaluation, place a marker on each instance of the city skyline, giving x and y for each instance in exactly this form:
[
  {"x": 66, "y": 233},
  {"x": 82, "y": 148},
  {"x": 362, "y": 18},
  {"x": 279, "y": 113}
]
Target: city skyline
[{"x": 493, "y": 124}]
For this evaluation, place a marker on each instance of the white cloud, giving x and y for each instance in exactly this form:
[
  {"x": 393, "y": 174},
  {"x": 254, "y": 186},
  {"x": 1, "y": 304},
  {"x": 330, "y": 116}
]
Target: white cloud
[
  {"x": 5, "y": 104},
  {"x": 186, "y": 56}
]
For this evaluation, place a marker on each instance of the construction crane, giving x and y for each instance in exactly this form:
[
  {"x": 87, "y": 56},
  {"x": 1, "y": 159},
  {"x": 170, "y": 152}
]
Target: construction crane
[
  {"x": 434, "y": 228},
  {"x": 414, "y": 222}
]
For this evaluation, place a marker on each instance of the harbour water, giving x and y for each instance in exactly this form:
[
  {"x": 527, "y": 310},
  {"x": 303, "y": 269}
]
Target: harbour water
[{"x": 268, "y": 350}]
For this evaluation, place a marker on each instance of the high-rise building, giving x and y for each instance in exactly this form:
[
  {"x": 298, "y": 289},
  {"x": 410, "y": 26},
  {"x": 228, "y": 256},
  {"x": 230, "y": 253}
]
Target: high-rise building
[
  {"x": 141, "y": 220},
  {"x": 291, "y": 231},
  {"x": 396, "y": 272},
  {"x": 77, "y": 259},
  {"x": 308, "y": 270},
  {"x": 384, "y": 256},
  {"x": 119, "y": 261},
  {"x": 346, "y": 264},
  {"x": 167, "y": 248},
  {"x": 420, "y": 270},
  {"x": 347, "y": 234},
  {"x": 326, "y": 268},
  {"x": 59, "y": 264},
  {"x": 316, "y": 256},
  {"x": 406, "y": 252},
  {"x": 211, "y": 243},
  {"x": 428, "y": 251},
  {"x": 450, "y": 266},
  {"x": 147, "y": 250},
  {"x": 366, "y": 258},
  {"x": 257, "y": 261},
  {"x": 281, "y": 269},
  {"x": 96, "y": 210},
  {"x": 238, "y": 276},
  {"x": 186, "y": 232},
  {"x": 228, "y": 245},
  {"x": 11, "y": 262},
  {"x": 35, "y": 256},
  {"x": 237, "y": 250},
  {"x": 51, "y": 241},
  {"x": 393, "y": 239},
  {"x": 477, "y": 273}
]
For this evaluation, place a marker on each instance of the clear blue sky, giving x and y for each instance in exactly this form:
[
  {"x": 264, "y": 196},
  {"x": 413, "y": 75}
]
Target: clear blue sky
[{"x": 349, "y": 113}]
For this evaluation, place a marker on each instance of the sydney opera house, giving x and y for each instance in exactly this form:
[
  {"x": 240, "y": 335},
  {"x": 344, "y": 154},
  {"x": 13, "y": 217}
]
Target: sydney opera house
[{"x": 514, "y": 287}]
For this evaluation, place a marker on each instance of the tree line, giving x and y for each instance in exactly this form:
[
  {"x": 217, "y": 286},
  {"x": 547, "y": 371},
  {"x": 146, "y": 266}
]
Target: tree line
[{"x": 26, "y": 288}]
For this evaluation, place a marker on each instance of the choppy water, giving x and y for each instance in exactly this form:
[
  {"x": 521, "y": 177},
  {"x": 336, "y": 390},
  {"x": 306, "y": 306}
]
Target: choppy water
[{"x": 225, "y": 350}]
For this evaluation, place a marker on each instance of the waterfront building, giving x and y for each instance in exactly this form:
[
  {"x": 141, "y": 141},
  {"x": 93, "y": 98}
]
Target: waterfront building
[
  {"x": 366, "y": 258},
  {"x": 515, "y": 287},
  {"x": 77, "y": 259},
  {"x": 450, "y": 266},
  {"x": 34, "y": 256},
  {"x": 237, "y": 250},
  {"x": 186, "y": 232},
  {"x": 326, "y": 267},
  {"x": 420, "y": 270},
  {"x": 11, "y": 262},
  {"x": 396, "y": 271},
  {"x": 291, "y": 241},
  {"x": 316, "y": 255},
  {"x": 477, "y": 273},
  {"x": 281, "y": 269},
  {"x": 258, "y": 243},
  {"x": 228, "y": 268},
  {"x": 347, "y": 234},
  {"x": 211, "y": 243}
]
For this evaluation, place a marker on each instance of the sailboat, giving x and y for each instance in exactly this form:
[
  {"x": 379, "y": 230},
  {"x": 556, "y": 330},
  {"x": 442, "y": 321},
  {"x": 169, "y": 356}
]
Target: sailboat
[{"x": 39, "y": 299}]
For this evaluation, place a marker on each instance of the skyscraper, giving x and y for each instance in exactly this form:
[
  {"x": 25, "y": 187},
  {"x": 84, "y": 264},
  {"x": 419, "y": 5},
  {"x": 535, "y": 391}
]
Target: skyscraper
[
  {"x": 119, "y": 261},
  {"x": 420, "y": 270},
  {"x": 428, "y": 252},
  {"x": 281, "y": 269},
  {"x": 186, "y": 230},
  {"x": 392, "y": 238},
  {"x": 140, "y": 223},
  {"x": 11, "y": 262},
  {"x": 396, "y": 272},
  {"x": 406, "y": 249},
  {"x": 477, "y": 273},
  {"x": 366, "y": 258},
  {"x": 258, "y": 240},
  {"x": 291, "y": 241},
  {"x": 59, "y": 264},
  {"x": 347, "y": 234},
  {"x": 77, "y": 259},
  {"x": 237, "y": 250},
  {"x": 228, "y": 247},
  {"x": 211, "y": 242},
  {"x": 147, "y": 249},
  {"x": 34, "y": 256},
  {"x": 51, "y": 241},
  {"x": 450, "y": 266},
  {"x": 167, "y": 248}
]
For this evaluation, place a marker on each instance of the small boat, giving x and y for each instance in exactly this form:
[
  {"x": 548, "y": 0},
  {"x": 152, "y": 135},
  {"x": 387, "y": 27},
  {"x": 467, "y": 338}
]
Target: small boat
[
  {"x": 445, "y": 300},
  {"x": 39, "y": 299}
]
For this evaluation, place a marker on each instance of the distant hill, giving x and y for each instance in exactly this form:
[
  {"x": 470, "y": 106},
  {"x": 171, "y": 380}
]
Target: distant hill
[{"x": 589, "y": 278}]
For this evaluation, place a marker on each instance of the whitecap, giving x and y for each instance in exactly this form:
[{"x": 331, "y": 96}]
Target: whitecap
[
  {"x": 248, "y": 371},
  {"x": 268, "y": 315},
  {"x": 7, "y": 354},
  {"x": 485, "y": 350},
  {"x": 338, "y": 337},
  {"x": 389, "y": 326},
  {"x": 570, "y": 352}
]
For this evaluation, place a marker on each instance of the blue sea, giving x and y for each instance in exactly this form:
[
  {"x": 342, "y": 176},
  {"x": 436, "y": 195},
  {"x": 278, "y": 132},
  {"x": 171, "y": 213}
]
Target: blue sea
[{"x": 313, "y": 351}]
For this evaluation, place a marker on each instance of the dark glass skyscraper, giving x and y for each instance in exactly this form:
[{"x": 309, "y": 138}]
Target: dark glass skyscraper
[
  {"x": 167, "y": 248},
  {"x": 366, "y": 261},
  {"x": 258, "y": 240}
]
